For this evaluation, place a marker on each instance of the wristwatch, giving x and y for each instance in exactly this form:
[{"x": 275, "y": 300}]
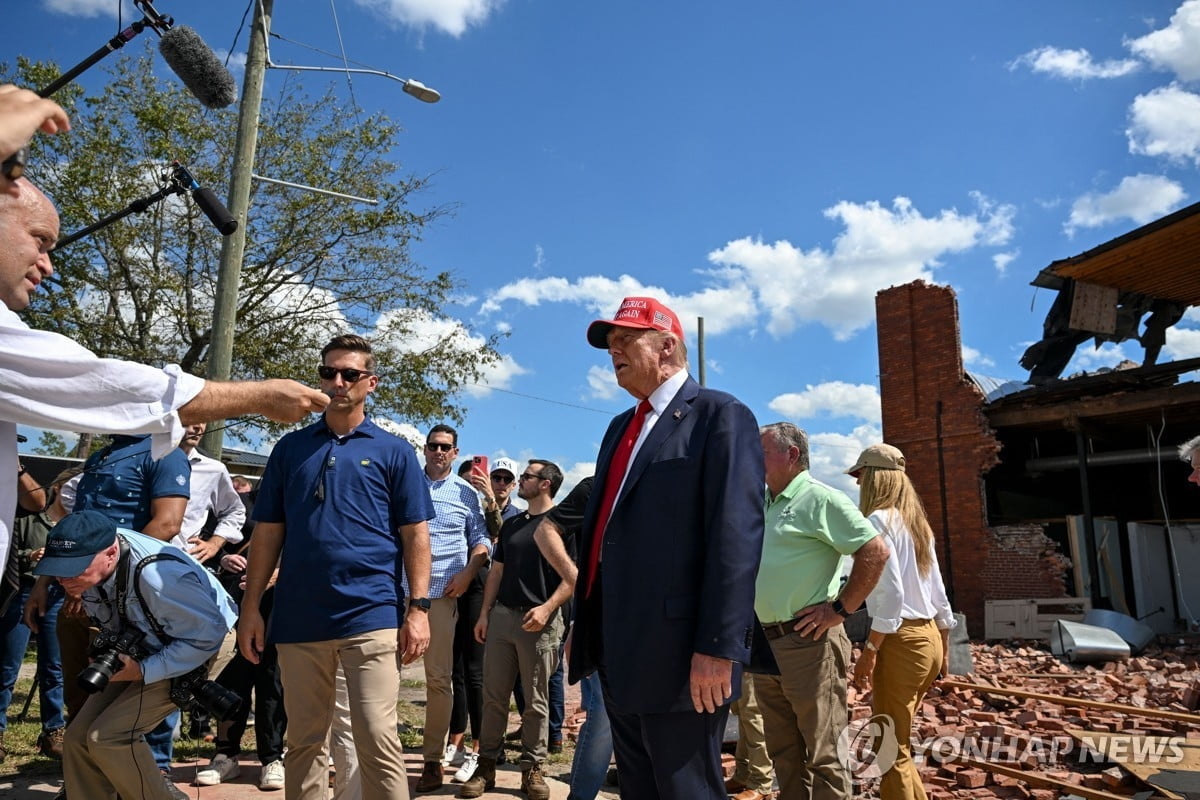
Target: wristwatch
[
  {"x": 869, "y": 645},
  {"x": 420, "y": 603},
  {"x": 837, "y": 606}
]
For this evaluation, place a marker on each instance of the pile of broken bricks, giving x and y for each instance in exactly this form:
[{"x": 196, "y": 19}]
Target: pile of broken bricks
[
  {"x": 1013, "y": 742},
  {"x": 972, "y": 743}
]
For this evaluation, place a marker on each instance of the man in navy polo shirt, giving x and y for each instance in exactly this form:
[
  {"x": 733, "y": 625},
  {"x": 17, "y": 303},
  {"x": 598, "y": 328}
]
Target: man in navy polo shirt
[{"x": 340, "y": 504}]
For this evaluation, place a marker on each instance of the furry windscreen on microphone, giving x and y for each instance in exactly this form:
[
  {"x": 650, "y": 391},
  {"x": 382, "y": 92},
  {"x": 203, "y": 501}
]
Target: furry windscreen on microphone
[{"x": 198, "y": 67}]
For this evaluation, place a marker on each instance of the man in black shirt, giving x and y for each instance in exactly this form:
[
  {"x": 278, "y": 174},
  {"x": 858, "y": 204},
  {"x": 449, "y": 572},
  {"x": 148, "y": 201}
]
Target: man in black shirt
[{"x": 521, "y": 626}]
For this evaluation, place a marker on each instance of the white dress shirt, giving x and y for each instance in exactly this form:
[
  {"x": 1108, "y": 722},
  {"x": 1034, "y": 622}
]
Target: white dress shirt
[
  {"x": 49, "y": 381},
  {"x": 903, "y": 592},
  {"x": 211, "y": 490}
]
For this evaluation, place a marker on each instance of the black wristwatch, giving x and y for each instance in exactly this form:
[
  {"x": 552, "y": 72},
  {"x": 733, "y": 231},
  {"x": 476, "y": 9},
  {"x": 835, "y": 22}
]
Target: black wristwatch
[
  {"x": 420, "y": 603},
  {"x": 837, "y": 606}
]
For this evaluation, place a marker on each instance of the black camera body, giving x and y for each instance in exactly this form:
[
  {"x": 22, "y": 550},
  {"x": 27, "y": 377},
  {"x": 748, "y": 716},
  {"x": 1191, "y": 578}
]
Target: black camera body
[
  {"x": 194, "y": 689},
  {"x": 106, "y": 657}
]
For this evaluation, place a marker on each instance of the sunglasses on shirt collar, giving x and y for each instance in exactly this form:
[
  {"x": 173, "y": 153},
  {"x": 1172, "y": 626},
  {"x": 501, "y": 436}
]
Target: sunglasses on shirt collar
[{"x": 349, "y": 375}]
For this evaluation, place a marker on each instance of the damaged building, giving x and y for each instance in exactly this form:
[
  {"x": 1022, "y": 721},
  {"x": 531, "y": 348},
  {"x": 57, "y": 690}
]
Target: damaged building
[{"x": 1052, "y": 488}]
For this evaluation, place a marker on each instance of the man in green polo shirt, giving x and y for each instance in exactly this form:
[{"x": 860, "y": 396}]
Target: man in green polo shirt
[{"x": 809, "y": 528}]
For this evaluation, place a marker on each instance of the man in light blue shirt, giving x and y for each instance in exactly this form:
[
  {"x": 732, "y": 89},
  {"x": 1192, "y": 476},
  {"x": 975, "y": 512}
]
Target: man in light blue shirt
[
  {"x": 178, "y": 614},
  {"x": 460, "y": 546}
]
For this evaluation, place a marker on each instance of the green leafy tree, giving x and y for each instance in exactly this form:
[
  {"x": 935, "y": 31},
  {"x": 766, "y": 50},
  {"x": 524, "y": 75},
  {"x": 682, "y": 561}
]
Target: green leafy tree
[
  {"x": 52, "y": 444},
  {"x": 143, "y": 288}
]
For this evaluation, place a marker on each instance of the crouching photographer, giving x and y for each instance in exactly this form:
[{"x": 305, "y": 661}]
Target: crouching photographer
[{"x": 161, "y": 618}]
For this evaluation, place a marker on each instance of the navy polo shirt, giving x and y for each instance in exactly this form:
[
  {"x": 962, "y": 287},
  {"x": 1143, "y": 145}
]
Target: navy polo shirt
[
  {"x": 342, "y": 502},
  {"x": 122, "y": 480}
]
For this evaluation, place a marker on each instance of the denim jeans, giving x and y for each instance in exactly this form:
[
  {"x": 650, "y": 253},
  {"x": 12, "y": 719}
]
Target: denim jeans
[
  {"x": 14, "y": 638},
  {"x": 593, "y": 748}
]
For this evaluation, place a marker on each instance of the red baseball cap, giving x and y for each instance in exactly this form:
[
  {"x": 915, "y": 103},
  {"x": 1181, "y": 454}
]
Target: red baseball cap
[{"x": 635, "y": 312}]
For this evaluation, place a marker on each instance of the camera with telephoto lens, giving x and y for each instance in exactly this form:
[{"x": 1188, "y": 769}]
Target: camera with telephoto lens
[
  {"x": 195, "y": 689},
  {"x": 106, "y": 657}
]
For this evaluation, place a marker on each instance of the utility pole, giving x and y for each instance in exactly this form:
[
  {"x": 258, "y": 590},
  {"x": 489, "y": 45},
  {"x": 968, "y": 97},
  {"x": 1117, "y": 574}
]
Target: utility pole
[{"x": 233, "y": 248}]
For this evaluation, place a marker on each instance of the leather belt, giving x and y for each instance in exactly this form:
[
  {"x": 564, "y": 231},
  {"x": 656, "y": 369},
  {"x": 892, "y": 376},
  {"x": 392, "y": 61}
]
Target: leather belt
[{"x": 777, "y": 630}]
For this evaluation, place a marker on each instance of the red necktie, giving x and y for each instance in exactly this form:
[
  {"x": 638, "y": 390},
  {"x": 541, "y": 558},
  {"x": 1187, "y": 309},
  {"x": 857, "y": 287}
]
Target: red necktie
[{"x": 612, "y": 483}]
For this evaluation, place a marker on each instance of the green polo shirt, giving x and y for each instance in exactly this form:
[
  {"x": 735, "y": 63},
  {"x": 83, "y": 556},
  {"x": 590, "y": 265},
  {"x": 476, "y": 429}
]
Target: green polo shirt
[{"x": 809, "y": 527}]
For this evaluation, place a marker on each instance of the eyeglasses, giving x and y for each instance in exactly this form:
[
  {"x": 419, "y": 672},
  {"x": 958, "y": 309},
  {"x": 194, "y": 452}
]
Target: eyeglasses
[
  {"x": 498, "y": 478},
  {"x": 349, "y": 375},
  {"x": 525, "y": 476},
  {"x": 445, "y": 447}
]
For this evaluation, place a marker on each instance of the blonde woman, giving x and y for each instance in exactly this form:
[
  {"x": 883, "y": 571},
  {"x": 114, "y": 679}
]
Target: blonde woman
[{"x": 908, "y": 644}]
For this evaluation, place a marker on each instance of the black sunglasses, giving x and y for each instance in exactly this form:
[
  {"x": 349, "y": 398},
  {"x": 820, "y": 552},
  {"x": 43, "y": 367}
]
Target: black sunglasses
[
  {"x": 501, "y": 478},
  {"x": 443, "y": 446},
  {"x": 529, "y": 475},
  {"x": 348, "y": 375}
]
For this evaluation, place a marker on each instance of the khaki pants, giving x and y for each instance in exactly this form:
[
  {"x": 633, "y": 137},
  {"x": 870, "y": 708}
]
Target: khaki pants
[
  {"x": 439, "y": 676},
  {"x": 907, "y": 664},
  {"x": 753, "y": 762},
  {"x": 535, "y": 655},
  {"x": 104, "y": 752},
  {"x": 804, "y": 712},
  {"x": 307, "y": 671}
]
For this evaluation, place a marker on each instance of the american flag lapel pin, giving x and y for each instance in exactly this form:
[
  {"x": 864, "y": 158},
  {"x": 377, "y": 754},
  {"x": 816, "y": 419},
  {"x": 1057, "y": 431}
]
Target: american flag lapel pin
[{"x": 678, "y": 415}]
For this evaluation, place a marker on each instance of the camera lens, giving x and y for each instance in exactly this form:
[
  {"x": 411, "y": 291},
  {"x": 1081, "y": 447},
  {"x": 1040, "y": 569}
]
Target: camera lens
[
  {"x": 216, "y": 699},
  {"x": 95, "y": 676}
]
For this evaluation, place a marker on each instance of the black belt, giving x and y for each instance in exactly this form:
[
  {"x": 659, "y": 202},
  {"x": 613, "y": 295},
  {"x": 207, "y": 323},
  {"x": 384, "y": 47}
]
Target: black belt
[
  {"x": 777, "y": 630},
  {"x": 520, "y": 609}
]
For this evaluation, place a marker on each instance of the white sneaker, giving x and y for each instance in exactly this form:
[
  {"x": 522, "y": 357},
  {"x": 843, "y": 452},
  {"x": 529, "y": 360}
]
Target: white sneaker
[
  {"x": 221, "y": 768},
  {"x": 448, "y": 756},
  {"x": 470, "y": 762},
  {"x": 460, "y": 756},
  {"x": 272, "y": 776}
]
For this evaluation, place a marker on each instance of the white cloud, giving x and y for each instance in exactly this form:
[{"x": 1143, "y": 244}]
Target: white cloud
[
  {"x": 414, "y": 330},
  {"x": 404, "y": 430},
  {"x": 972, "y": 358},
  {"x": 1141, "y": 198},
  {"x": 573, "y": 475},
  {"x": 449, "y": 16},
  {"x": 1175, "y": 47},
  {"x": 89, "y": 8},
  {"x": 236, "y": 62},
  {"x": 723, "y": 308},
  {"x": 832, "y": 399},
  {"x": 1165, "y": 122},
  {"x": 1181, "y": 343},
  {"x": 603, "y": 382},
  {"x": 1089, "y": 358},
  {"x": 1002, "y": 260},
  {"x": 831, "y": 454},
  {"x": 1072, "y": 64},
  {"x": 878, "y": 247}
]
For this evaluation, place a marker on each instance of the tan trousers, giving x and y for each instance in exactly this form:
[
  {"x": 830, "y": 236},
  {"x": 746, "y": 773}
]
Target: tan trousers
[
  {"x": 753, "y": 769},
  {"x": 307, "y": 671},
  {"x": 104, "y": 753},
  {"x": 510, "y": 649},
  {"x": 906, "y": 666},
  {"x": 439, "y": 676},
  {"x": 804, "y": 712}
]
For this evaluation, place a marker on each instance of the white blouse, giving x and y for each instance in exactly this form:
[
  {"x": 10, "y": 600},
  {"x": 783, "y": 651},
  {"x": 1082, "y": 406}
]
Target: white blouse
[{"x": 902, "y": 592}]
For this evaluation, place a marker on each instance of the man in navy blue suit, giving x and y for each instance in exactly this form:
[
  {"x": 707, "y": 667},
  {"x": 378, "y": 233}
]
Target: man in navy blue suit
[{"x": 670, "y": 549}]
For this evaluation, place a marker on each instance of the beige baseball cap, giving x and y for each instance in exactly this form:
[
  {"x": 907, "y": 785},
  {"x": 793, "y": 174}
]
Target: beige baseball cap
[{"x": 879, "y": 456}]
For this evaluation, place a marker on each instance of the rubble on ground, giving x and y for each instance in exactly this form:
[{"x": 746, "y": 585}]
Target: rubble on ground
[{"x": 959, "y": 732}]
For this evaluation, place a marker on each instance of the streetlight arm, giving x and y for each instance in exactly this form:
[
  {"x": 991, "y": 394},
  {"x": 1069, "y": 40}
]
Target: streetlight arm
[{"x": 411, "y": 86}]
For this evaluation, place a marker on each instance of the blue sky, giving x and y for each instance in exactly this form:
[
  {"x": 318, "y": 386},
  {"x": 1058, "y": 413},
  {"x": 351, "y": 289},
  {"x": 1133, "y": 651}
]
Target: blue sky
[{"x": 766, "y": 165}]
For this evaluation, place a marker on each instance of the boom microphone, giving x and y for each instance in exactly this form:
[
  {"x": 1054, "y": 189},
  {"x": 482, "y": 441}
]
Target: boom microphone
[
  {"x": 199, "y": 69},
  {"x": 213, "y": 208}
]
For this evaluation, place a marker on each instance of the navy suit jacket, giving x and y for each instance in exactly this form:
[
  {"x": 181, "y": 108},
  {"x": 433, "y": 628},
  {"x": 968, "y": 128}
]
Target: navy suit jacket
[{"x": 681, "y": 553}]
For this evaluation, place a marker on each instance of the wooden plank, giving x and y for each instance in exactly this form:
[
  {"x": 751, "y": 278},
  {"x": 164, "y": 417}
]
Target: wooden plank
[
  {"x": 1044, "y": 781},
  {"x": 1169, "y": 778},
  {"x": 1157, "y": 713}
]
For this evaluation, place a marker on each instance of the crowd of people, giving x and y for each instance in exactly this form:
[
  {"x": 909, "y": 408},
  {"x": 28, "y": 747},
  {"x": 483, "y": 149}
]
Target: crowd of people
[{"x": 705, "y": 571}]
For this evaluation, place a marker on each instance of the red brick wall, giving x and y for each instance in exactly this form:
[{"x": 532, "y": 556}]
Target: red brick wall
[{"x": 924, "y": 388}]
